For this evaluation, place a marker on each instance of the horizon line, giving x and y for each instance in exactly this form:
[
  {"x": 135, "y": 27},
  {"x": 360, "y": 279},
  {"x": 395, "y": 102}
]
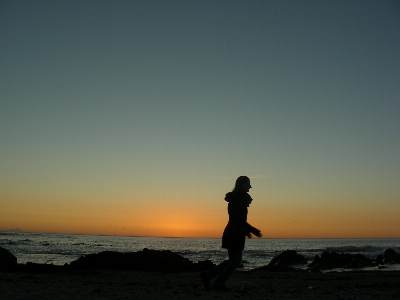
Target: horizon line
[{"x": 17, "y": 230}]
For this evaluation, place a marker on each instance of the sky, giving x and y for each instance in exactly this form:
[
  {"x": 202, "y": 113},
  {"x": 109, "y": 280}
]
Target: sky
[{"x": 136, "y": 117}]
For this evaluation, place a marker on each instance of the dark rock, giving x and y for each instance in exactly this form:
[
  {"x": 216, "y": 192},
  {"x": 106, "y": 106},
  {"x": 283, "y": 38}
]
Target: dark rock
[
  {"x": 359, "y": 261},
  {"x": 332, "y": 260},
  {"x": 288, "y": 258},
  {"x": 146, "y": 260},
  {"x": 8, "y": 261},
  {"x": 391, "y": 257}
]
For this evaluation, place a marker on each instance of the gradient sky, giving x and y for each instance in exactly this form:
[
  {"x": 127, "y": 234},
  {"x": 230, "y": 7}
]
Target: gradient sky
[{"x": 136, "y": 117}]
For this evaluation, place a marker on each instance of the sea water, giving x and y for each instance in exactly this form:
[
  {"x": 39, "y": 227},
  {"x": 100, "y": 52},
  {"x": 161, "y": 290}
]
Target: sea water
[{"x": 59, "y": 249}]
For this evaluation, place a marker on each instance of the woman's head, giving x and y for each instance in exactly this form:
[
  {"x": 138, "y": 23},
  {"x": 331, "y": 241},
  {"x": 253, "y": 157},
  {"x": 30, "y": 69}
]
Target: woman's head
[{"x": 242, "y": 184}]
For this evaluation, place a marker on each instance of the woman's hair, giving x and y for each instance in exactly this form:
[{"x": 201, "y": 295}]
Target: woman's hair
[{"x": 239, "y": 181}]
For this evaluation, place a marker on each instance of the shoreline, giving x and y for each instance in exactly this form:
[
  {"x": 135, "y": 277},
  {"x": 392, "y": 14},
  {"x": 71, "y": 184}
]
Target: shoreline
[{"x": 254, "y": 284}]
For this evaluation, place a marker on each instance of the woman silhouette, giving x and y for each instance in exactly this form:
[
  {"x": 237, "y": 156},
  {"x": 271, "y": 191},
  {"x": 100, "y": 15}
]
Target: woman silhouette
[{"x": 234, "y": 234}]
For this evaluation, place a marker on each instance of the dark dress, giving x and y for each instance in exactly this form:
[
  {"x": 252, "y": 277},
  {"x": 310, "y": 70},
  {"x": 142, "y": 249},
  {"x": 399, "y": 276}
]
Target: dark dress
[{"x": 237, "y": 228}]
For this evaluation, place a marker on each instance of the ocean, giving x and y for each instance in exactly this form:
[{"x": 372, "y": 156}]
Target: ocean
[{"x": 59, "y": 249}]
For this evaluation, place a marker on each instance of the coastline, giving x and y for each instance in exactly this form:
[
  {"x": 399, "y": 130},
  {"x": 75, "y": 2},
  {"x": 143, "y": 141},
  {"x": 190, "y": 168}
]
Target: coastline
[
  {"x": 154, "y": 274},
  {"x": 256, "y": 284},
  {"x": 59, "y": 249}
]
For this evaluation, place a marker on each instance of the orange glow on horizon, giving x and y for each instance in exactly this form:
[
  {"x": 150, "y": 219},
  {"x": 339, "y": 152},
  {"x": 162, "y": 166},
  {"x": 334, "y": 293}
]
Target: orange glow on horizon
[{"x": 172, "y": 219}]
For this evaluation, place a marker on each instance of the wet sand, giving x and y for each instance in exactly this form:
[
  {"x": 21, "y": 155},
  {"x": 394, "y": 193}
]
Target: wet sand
[{"x": 245, "y": 285}]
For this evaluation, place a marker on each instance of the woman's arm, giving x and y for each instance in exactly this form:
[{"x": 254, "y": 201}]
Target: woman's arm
[{"x": 252, "y": 230}]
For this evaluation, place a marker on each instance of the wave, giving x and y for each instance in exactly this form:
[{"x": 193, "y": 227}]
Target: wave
[
  {"x": 357, "y": 249},
  {"x": 7, "y": 242},
  {"x": 17, "y": 242}
]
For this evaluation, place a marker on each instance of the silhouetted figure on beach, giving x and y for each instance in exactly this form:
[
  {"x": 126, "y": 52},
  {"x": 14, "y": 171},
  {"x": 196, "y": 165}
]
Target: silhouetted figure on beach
[{"x": 234, "y": 234}]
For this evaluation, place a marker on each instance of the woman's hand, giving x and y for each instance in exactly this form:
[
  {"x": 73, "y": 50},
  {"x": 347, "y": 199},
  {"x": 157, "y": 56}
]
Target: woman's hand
[
  {"x": 256, "y": 232},
  {"x": 259, "y": 234}
]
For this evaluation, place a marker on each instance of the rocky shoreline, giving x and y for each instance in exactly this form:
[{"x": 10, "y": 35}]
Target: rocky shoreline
[
  {"x": 151, "y": 274},
  {"x": 169, "y": 262}
]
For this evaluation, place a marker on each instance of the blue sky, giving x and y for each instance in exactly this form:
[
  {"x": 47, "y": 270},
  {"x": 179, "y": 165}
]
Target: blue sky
[{"x": 170, "y": 101}]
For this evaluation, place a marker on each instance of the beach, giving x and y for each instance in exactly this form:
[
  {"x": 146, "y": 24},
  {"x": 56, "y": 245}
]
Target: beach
[
  {"x": 256, "y": 284},
  {"x": 104, "y": 273}
]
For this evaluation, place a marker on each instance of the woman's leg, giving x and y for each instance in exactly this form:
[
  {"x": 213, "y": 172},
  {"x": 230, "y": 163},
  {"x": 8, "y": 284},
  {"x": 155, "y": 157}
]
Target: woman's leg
[
  {"x": 206, "y": 276},
  {"x": 217, "y": 269},
  {"x": 235, "y": 259}
]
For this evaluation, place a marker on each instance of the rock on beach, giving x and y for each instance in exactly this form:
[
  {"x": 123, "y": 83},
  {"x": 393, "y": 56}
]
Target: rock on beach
[
  {"x": 388, "y": 257},
  {"x": 145, "y": 260},
  {"x": 8, "y": 261},
  {"x": 288, "y": 258},
  {"x": 332, "y": 260}
]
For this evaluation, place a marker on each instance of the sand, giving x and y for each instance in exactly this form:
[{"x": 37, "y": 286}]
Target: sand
[{"x": 245, "y": 285}]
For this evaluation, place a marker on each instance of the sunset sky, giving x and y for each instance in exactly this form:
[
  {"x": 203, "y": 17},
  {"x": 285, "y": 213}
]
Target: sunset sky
[{"x": 136, "y": 117}]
